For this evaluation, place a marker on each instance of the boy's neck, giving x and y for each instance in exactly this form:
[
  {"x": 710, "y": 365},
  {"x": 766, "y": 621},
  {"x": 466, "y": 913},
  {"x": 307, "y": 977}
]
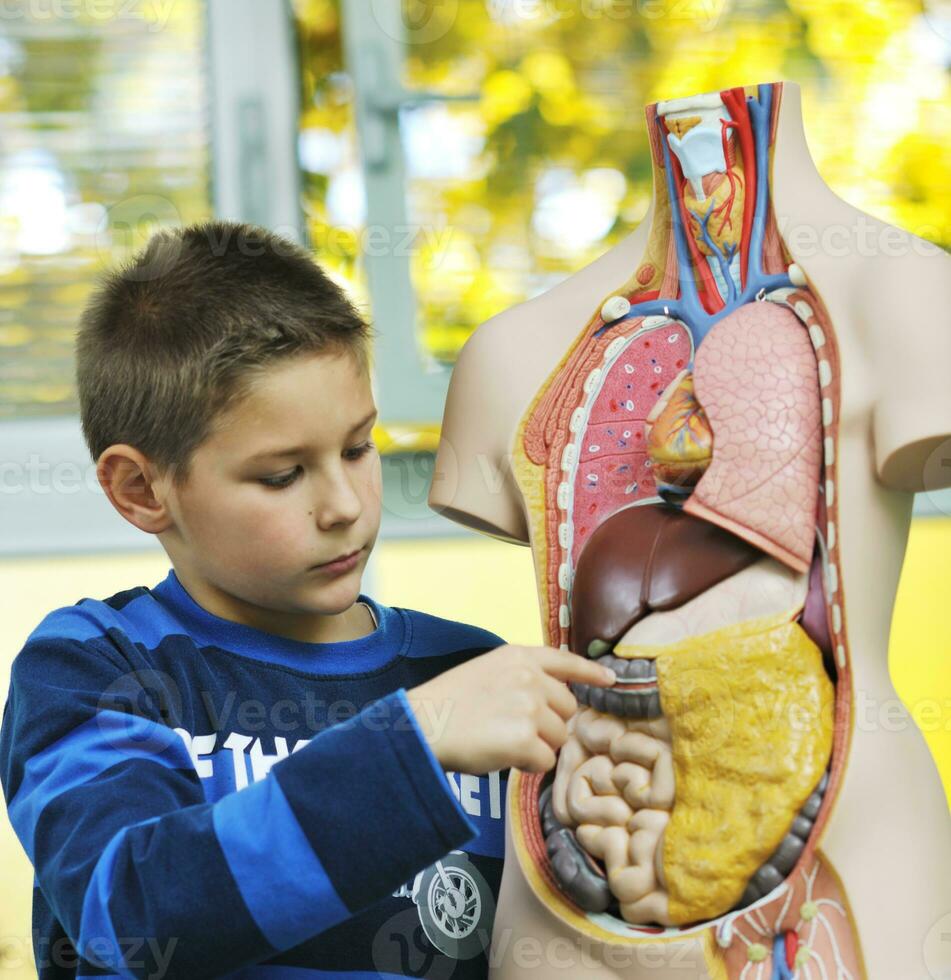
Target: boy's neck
[{"x": 352, "y": 624}]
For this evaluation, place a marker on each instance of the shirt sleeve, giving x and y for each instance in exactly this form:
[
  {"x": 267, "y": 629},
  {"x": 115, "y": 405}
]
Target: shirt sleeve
[{"x": 104, "y": 796}]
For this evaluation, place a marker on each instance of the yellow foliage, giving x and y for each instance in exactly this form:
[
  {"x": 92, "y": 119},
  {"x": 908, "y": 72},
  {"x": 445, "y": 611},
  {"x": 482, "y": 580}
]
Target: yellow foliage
[
  {"x": 504, "y": 94},
  {"x": 318, "y": 15},
  {"x": 550, "y": 72},
  {"x": 564, "y": 85}
]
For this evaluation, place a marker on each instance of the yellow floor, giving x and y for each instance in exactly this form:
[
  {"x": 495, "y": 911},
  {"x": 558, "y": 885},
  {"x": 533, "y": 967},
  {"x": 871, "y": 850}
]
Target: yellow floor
[{"x": 480, "y": 581}]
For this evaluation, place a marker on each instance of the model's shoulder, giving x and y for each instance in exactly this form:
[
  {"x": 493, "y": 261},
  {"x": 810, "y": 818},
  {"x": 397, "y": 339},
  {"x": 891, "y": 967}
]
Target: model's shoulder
[
  {"x": 436, "y": 634},
  {"x": 877, "y": 255},
  {"x": 905, "y": 268}
]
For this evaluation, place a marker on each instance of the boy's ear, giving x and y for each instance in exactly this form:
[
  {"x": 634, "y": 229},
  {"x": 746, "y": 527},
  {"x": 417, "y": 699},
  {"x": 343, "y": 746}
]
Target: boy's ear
[{"x": 130, "y": 481}]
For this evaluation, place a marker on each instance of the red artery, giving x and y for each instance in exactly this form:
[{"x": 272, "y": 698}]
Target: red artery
[
  {"x": 735, "y": 100},
  {"x": 792, "y": 947}
]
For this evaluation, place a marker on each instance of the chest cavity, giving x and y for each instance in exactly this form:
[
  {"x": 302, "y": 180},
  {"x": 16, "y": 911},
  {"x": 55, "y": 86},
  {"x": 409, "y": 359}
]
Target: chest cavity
[{"x": 755, "y": 397}]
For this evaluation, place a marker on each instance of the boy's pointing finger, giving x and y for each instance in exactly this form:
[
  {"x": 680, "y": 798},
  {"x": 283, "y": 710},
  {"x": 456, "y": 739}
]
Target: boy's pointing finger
[{"x": 569, "y": 666}]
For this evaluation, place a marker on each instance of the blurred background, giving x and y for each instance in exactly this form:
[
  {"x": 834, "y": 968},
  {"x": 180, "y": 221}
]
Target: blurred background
[{"x": 444, "y": 159}]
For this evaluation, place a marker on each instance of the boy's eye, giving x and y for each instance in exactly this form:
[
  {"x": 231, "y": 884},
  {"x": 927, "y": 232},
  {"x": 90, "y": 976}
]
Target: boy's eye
[
  {"x": 280, "y": 481},
  {"x": 361, "y": 450},
  {"x": 285, "y": 480}
]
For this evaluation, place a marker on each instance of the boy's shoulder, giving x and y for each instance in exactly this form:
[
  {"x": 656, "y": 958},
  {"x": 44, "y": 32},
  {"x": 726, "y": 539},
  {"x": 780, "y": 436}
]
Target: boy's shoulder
[
  {"x": 435, "y": 634},
  {"x": 88, "y": 617},
  {"x": 85, "y": 643}
]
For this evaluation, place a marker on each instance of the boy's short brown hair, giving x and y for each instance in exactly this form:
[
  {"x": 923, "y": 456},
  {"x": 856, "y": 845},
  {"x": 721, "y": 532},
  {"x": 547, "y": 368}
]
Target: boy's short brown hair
[{"x": 176, "y": 336}]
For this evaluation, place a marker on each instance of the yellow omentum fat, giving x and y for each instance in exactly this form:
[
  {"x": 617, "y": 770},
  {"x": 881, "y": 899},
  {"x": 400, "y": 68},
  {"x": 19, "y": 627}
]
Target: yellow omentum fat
[{"x": 750, "y": 708}]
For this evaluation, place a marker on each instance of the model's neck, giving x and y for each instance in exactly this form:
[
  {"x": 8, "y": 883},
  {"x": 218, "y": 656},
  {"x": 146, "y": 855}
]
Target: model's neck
[{"x": 717, "y": 158}]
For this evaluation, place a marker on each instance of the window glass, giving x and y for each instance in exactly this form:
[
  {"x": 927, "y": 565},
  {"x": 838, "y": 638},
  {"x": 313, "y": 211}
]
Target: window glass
[
  {"x": 103, "y": 139},
  {"x": 334, "y": 197}
]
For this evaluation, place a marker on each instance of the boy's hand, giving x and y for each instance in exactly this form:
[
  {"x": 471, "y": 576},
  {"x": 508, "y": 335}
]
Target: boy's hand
[{"x": 507, "y": 707}]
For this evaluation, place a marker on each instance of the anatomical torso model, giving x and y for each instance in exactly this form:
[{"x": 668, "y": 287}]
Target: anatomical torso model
[{"x": 710, "y": 438}]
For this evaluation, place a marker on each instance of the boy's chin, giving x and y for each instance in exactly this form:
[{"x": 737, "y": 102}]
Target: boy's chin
[{"x": 341, "y": 592}]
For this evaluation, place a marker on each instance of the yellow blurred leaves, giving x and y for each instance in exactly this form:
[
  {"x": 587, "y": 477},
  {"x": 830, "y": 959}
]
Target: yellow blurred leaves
[
  {"x": 918, "y": 168},
  {"x": 563, "y": 84},
  {"x": 847, "y": 33},
  {"x": 319, "y": 16},
  {"x": 550, "y": 72},
  {"x": 705, "y": 62},
  {"x": 504, "y": 94}
]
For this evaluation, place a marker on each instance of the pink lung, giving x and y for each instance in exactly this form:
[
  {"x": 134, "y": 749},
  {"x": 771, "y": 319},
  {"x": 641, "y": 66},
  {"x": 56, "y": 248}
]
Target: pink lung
[
  {"x": 755, "y": 375},
  {"x": 613, "y": 470}
]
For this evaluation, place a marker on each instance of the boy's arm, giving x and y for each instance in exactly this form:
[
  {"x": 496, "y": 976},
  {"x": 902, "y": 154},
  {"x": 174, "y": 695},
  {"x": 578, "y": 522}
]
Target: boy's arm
[{"x": 110, "y": 810}]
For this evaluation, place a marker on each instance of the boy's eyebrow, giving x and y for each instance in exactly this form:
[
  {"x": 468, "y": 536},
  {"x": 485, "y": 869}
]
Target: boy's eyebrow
[{"x": 295, "y": 450}]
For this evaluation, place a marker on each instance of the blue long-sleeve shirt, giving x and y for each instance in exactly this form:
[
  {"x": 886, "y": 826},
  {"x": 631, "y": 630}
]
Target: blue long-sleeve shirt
[{"x": 201, "y": 798}]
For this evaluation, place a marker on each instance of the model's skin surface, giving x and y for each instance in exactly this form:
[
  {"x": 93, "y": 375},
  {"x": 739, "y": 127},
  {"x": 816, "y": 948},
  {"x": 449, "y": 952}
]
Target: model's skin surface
[{"x": 709, "y": 438}]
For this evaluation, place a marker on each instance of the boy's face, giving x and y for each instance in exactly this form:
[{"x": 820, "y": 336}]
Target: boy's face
[{"x": 250, "y": 526}]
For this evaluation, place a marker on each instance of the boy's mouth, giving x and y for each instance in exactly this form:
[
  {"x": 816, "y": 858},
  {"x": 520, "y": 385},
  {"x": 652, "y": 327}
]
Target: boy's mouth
[{"x": 340, "y": 558}]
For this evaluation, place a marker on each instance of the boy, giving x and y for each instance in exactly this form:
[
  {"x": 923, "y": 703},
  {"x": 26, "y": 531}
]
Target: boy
[{"x": 246, "y": 763}]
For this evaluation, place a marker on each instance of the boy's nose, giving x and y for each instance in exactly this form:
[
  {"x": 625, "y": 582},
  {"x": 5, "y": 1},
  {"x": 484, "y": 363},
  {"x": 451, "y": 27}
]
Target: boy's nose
[{"x": 337, "y": 502}]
